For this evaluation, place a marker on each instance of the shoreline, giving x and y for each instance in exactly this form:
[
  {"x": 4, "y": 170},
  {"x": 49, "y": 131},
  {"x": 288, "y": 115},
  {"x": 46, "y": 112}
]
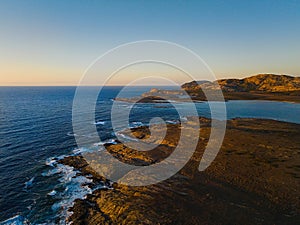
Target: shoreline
[
  {"x": 270, "y": 198},
  {"x": 154, "y": 99},
  {"x": 133, "y": 100}
]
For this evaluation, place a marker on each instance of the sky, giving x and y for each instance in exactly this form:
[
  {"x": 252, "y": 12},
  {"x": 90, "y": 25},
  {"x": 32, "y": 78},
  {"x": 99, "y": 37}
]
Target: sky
[{"x": 53, "y": 42}]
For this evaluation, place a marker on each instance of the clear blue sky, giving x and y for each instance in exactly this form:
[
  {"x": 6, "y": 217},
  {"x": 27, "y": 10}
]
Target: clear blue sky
[{"x": 52, "y": 42}]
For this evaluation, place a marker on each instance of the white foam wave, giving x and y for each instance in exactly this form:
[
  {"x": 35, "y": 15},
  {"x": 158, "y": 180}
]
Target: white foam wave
[
  {"x": 16, "y": 220},
  {"x": 71, "y": 134},
  {"x": 171, "y": 122},
  {"x": 76, "y": 187},
  {"x": 52, "y": 161},
  {"x": 136, "y": 124},
  {"x": 125, "y": 137},
  {"x": 81, "y": 150},
  {"x": 52, "y": 193},
  {"x": 109, "y": 141},
  {"x": 99, "y": 123},
  {"x": 29, "y": 184}
]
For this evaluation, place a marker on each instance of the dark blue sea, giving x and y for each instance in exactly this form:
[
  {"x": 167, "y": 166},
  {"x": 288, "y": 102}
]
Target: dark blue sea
[{"x": 36, "y": 131}]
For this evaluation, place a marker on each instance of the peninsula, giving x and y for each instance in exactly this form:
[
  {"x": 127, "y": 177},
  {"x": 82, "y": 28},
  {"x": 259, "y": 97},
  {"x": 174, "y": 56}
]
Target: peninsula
[{"x": 259, "y": 87}]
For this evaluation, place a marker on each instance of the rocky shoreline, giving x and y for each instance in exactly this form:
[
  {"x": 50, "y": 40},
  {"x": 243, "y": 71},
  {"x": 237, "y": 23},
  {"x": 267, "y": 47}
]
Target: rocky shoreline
[
  {"x": 268, "y": 87},
  {"x": 155, "y": 98},
  {"x": 254, "y": 180}
]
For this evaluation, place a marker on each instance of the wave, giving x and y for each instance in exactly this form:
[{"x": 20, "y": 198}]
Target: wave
[
  {"x": 29, "y": 184},
  {"x": 52, "y": 193},
  {"x": 16, "y": 220},
  {"x": 102, "y": 143},
  {"x": 72, "y": 185},
  {"x": 78, "y": 151},
  {"x": 136, "y": 124},
  {"x": 71, "y": 134},
  {"x": 76, "y": 187},
  {"x": 172, "y": 122},
  {"x": 125, "y": 137},
  {"x": 52, "y": 161},
  {"x": 99, "y": 123}
]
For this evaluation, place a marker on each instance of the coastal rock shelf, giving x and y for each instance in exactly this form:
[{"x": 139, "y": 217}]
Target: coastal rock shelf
[{"x": 255, "y": 179}]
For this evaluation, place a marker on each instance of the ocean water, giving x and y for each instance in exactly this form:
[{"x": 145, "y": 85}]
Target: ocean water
[{"x": 36, "y": 131}]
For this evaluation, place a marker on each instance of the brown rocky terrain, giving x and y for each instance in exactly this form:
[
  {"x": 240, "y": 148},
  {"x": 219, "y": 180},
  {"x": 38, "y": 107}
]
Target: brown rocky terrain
[
  {"x": 261, "y": 82},
  {"x": 255, "y": 179},
  {"x": 258, "y": 87}
]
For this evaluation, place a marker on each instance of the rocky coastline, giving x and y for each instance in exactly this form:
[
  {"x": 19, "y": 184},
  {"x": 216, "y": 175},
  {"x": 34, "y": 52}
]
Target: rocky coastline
[
  {"x": 269, "y": 87},
  {"x": 254, "y": 180}
]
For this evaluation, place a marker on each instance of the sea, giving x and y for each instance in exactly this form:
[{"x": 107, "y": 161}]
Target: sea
[{"x": 36, "y": 131}]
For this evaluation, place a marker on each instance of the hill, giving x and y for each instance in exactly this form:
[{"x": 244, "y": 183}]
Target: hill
[
  {"x": 259, "y": 87},
  {"x": 258, "y": 83}
]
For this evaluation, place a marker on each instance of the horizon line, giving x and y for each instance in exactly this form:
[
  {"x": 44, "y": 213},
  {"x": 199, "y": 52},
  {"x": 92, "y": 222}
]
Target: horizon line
[
  {"x": 144, "y": 85},
  {"x": 87, "y": 85}
]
